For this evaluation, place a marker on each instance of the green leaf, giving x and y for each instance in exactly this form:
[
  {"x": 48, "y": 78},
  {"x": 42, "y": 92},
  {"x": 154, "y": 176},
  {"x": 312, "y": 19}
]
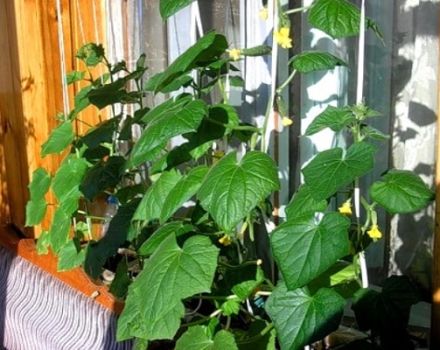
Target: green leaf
[
  {"x": 224, "y": 114},
  {"x": 102, "y": 133},
  {"x": 342, "y": 277},
  {"x": 59, "y": 230},
  {"x": 170, "y": 7},
  {"x": 260, "y": 50},
  {"x": 337, "y": 18},
  {"x": 66, "y": 183},
  {"x": 301, "y": 318},
  {"x": 304, "y": 249},
  {"x": 40, "y": 184},
  {"x": 312, "y": 61},
  {"x": 304, "y": 205},
  {"x": 334, "y": 118},
  {"x": 375, "y": 134},
  {"x": 182, "y": 192},
  {"x": 70, "y": 256},
  {"x": 182, "y": 81},
  {"x": 153, "y": 201},
  {"x": 401, "y": 191},
  {"x": 175, "y": 228},
  {"x": 330, "y": 170},
  {"x": 36, "y": 206},
  {"x": 59, "y": 139},
  {"x": 252, "y": 339},
  {"x": 74, "y": 76},
  {"x": 117, "y": 233},
  {"x": 119, "y": 286},
  {"x": 170, "y": 275},
  {"x": 245, "y": 289},
  {"x": 35, "y": 211},
  {"x": 208, "y": 48},
  {"x": 43, "y": 243},
  {"x": 231, "y": 190},
  {"x": 81, "y": 100},
  {"x": 236, "y": 81},
  {"x": 91, "y": 54},
  {"x": 196, "y": 338},
  {"x": 386, "y": 312},
  {"x": 164, "y": 126},
  {"x": 103, "y": 175},
  {"x": 230, "y": 307}
]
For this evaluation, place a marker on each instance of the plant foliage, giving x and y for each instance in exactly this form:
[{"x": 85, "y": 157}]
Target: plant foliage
[{"x": 182, "y": 241}]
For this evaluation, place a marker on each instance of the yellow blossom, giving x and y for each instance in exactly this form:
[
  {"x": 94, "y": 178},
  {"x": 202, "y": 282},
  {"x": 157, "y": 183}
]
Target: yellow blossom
[
  {"x": 234, "y": 54},
  {"x": 286, "y": 121},
  {"x": 225, "y": 240},
  {"x": 282, "y": 37},
  {"x": 264, "y": 13},
  {"x": 345, "y": 208},
  {"x": 374, "y": 232}
]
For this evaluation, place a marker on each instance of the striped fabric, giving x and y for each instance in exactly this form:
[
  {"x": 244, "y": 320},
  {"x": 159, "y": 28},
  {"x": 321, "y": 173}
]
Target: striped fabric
[{"x": 39, "y": 312}]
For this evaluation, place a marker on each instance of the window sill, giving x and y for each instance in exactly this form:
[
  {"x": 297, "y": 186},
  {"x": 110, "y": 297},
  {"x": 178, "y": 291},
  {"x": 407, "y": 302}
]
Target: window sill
[{"x": 76, "y": 278}]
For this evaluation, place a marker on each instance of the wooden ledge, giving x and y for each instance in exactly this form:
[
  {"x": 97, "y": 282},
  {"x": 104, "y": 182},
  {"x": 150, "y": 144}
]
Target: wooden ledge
[{"x": 76, "y": 278}]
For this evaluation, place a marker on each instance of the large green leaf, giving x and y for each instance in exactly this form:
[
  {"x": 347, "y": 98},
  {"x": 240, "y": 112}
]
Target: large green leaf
[
  {"x": 303, "y": 204},
  {"x": 153, "y": 308},
  {"x": 103, "y": 175},
  {"x": 153, "y": 201},
  {"x": 117, "y": 233},
  {"x": 386, "y": 313},
  {"x": 36, "y": 206},
  {"x": 232, "y": 189},
  {"x": 338, "y": 18},
  {"x": 182, "y": 192},
  {"x": 304, "y": 249},
  {"x": 66, "y": 183},
  {"x": 196, "y": 338},
  {"x": 301, "y": 318},
  {"x": 334, "y": 118},
  {"x": 176, "y": 228},
  {"x": 170, "y": 7},
  {"x": 312, "y": 61},
  {"x": 330, "y": 170},
  {"x": 163, "y": 126},
  {"x": 208, "y": 48},
  {"x": 401, "y": 191},
  {"x": 59, "y": 139}
]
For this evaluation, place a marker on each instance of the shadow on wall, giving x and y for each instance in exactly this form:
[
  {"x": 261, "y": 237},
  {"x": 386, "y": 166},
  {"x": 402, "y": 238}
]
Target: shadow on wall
[{"x": 415, "y": 89}]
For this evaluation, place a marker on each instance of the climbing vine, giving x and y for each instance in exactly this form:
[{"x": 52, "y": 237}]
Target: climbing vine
[{"x": 185, "y": 239}]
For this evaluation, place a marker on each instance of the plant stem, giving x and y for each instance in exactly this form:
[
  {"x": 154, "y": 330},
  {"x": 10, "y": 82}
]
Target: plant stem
[
  {"x": 286, "y": 82},
  {"x": 274, "y": 69},
  {"x": 299, "y": 9},
  {"x": 194, "y": 323}
]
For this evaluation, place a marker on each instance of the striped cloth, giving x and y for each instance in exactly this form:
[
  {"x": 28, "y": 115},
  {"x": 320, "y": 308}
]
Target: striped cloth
[{"x": 39, "y": 312}]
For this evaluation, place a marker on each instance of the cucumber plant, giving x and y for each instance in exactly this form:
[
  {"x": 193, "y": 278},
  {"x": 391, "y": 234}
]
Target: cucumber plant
[{"x": 184, "y": 243}]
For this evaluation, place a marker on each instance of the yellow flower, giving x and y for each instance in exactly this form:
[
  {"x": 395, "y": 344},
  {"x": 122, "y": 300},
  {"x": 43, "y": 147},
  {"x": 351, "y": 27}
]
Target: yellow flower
[
  {"x": 286, "y": 121},
  {"x": 234, "y": 54},
  {"x": 282, "y": 37},
  {"x": 374, "y": 232},
  {"x": 345, "y": 208},
  {"x": 264, "y": 13},
  {"x": 225, "y": 240}
]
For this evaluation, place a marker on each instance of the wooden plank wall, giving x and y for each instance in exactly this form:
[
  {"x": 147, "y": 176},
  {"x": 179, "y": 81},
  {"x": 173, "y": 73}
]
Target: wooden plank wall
[{"x": 31, "y": 88}]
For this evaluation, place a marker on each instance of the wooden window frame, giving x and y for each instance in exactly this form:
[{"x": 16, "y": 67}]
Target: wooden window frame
[{"x": 30, "y": 98}]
